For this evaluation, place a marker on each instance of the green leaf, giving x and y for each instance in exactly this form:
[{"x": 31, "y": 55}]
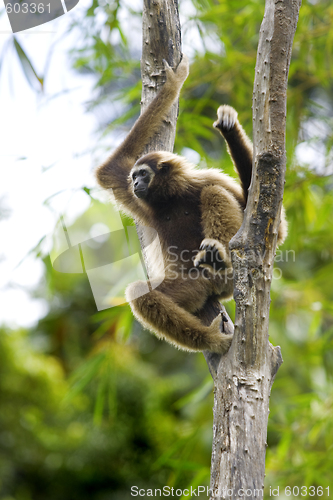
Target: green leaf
[{"x": 27, "y": 66}]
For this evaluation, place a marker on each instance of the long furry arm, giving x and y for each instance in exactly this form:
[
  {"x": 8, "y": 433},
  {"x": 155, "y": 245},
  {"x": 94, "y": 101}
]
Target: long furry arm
[
  {"x": 113, "y": 173},
  {"x": 239, "y": 145}
]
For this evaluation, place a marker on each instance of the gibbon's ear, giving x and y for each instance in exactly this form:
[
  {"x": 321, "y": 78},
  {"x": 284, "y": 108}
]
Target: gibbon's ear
[{"x": 164, "y": 166}]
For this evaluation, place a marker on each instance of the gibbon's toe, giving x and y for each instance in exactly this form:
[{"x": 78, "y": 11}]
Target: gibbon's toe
[
  {"x": 225, "y": 343},
  {"x": 226, "y": 118},
  {"x": 220, "y": 341}
]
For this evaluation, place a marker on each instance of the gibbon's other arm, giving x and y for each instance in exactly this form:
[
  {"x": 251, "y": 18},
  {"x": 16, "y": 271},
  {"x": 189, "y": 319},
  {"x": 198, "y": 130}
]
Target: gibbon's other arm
[
  {"x": 241, "y": 151},
  {"x": 114, "y": 172},
  {"x": 239, "y": 145}
]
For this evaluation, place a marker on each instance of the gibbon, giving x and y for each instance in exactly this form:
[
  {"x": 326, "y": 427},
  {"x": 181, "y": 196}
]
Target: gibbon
[{"x": 195, "y": 213}]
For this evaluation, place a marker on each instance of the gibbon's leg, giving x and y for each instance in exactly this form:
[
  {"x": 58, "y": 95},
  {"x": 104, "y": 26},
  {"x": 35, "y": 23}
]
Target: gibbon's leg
[
  {"x": 221, "y": 218},
  {"x": 160, "y": 313},
  {"x": 239, "y": 145},
  {"x": 114, "y": 172},
  {"x": 241, "y": 151}
]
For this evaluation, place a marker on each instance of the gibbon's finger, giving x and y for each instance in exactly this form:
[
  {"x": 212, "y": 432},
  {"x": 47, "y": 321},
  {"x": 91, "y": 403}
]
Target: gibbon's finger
[
  {"x": 166, "y": 64},
  {"x": 226, "y": 118},
  {"x": 207, "y": 247},
  {"x": 182, "y": 70},
  {"x": 184, "y": 59},
  {"x": 198, "y": 262}
]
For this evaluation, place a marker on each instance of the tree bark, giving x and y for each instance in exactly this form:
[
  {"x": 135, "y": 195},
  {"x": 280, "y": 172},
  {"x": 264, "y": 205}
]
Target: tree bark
[
  {"x": 161, "y": 39},
  {"x": 243, "y": 378}
]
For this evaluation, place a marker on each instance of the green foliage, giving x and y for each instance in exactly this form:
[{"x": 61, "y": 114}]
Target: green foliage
[
  {"x": 57, "y": 443},
  {"x": 13, "y": 46}
]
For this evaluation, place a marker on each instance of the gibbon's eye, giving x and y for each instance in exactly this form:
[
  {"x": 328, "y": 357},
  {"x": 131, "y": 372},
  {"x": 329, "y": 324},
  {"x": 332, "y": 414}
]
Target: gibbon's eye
[
  {"x": 143, "y": 173},
  {"x": 134, "y": 177}
]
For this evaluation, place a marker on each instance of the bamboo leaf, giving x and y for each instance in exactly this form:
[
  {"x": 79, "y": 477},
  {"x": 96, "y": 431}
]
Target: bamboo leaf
[{"x": 27, "y": 66}]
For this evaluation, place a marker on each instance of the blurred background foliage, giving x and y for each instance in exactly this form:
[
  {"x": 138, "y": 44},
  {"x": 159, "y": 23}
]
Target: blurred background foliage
[{"x": 89, "y": 403}]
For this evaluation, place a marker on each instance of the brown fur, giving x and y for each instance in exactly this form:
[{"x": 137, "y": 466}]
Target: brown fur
[{"x": 195, "y": 213}]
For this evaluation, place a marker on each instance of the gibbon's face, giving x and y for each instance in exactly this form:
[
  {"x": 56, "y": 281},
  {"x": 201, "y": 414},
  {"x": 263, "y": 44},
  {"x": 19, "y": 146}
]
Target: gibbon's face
[{"x": 142, "y": 176}]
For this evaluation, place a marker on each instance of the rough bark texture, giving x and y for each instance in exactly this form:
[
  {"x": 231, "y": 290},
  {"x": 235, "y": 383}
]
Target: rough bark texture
[
  {"x": 245, "y": 375},
  {"x": 161, "y": 40}
]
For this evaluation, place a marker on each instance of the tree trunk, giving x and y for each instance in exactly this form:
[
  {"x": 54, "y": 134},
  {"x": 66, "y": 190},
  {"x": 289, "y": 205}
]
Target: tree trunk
[{"x": 244, "y": 377}]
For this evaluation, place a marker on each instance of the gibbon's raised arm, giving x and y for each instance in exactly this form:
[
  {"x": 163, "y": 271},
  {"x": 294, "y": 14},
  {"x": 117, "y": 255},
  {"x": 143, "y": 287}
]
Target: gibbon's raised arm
[
  {"x": 239, "y": 145},
  {"x": 113, "y": 173}
]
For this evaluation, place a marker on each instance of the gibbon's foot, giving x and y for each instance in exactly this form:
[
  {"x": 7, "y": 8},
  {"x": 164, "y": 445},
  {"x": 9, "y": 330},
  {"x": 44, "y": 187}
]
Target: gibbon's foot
[
  {"x": 157, "y": 312},
  {"x": 226, "y": 118},
  {"x": 223, "y": 341},
  {"x": 212, "y": 255}
]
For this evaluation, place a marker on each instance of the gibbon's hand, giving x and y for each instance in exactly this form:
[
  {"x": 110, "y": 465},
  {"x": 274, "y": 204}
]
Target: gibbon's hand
[
  {"x": 212, "y": 255},
  {"x": 178, "y": 76},
  {"x": 226, "y": 118}
]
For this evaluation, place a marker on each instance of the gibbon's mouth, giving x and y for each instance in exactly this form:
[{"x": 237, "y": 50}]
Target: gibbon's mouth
[{"x": 140, "y": 193}]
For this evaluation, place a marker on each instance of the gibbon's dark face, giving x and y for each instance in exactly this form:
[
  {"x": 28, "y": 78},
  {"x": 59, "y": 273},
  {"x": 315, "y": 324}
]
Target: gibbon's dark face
[{"x": 142, "y": 176}]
